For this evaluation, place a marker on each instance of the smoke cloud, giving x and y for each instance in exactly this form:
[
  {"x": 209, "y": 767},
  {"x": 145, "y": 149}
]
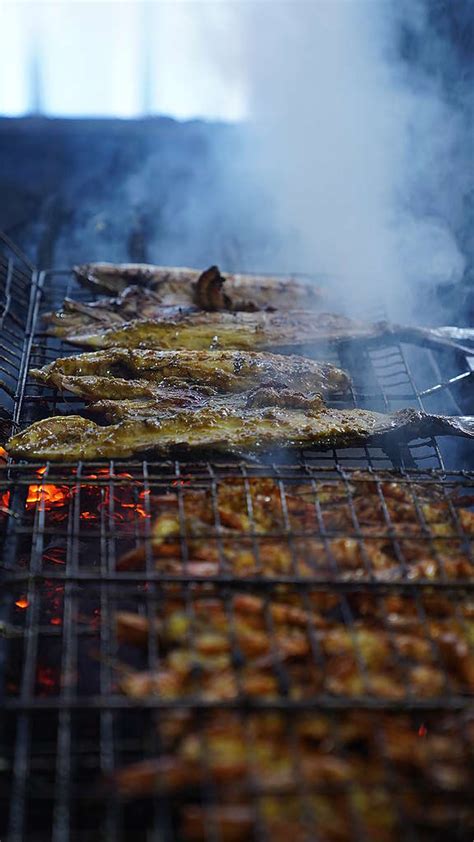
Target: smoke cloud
[
  {"x": 361, "y": 155},
  {"x": 354, "y": 161}
]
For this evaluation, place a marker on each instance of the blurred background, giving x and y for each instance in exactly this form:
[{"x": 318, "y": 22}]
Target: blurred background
[
  {"x": 330, "y": 136},
  {"x": 76, "y": 58}
]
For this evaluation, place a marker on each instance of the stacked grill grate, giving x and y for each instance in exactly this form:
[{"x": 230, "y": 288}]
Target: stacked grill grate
[{"x": 385, "y": 765}]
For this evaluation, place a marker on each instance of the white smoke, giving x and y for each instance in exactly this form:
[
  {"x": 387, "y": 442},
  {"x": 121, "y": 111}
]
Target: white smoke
[{"x": 348, "y": 150}]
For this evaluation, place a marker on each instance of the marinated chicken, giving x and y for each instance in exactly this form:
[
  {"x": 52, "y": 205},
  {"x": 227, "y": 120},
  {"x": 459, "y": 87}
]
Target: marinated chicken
[
  {"x": 123, "y": 373},
  {"x": 208, "y": 290},
  {"x": 220, "y": 649},
  {"x": 258, "y": 529},
  {"x": 347, "y": 775},
  {"x": 64, "y": 438}
]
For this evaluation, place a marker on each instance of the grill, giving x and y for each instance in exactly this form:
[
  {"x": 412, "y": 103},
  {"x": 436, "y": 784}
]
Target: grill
[{"x": 347, "y": 761}]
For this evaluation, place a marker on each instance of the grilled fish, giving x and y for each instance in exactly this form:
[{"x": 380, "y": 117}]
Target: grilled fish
[
  {"x": 168, "y": 399},
  {"x": 229, "y": 430},
  {"x": 122, "y": 373},
  {"x": 254, "y": 331},
  {"x": 208, "y": 290},
  {"x": 217, "y": 331},
  {"x": 133, "y": 303}
]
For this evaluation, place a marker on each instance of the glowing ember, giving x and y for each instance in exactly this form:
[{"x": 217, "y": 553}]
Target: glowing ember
[
  {"x": 49, "y": 495},
  {"x": 94, "y": 498},
  {"x": 422, "y": 730},
  {"x": 55, "y": 621},
  {"x": 181, "y": 482},
  {"x": 3, "y": 454},
  {"x": 22, "y": 602},
  {"x": 5, "y": 500},
  {"x": 56, "y": 555},
  {"x": 45, "y": 678},
  {"x": 136, "y": 507}
]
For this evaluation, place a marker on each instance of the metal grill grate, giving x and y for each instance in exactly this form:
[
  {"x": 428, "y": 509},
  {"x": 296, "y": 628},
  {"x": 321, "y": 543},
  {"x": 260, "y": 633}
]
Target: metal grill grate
[
  {"x": 70, "y": 725},
  {"x": 385, "y": 378},
  {"x": 366, "y": 734}
]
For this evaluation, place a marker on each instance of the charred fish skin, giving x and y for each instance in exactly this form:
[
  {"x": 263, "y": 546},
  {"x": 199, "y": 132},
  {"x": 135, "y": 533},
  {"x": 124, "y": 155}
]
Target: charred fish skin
[
  {"x": 209, "y": 289},
  {"x": 255, "y": 431},
  {"x": 114, "y": 278},
  {"x": 133, "y": 303},
  {"x": 122, "y": 373},
  {"x": 249, "y": 293}
]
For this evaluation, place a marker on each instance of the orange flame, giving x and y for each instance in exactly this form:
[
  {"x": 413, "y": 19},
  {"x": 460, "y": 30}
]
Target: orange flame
[
  {"x": 22, "y": 602},
  {"x": 3, "y": 454}
]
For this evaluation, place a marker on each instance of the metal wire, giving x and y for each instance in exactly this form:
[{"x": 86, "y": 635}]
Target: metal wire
[{"x": 66, "y": 528}]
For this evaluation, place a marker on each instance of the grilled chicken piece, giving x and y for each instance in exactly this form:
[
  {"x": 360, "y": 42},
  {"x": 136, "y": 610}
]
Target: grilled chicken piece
[
  {"x": 122, "y": 373},
  {"x": 220, "y": 649},
  {"x": 402, "y": 537},
  {"x": 251, "y": 430},
  {"x": 292, "y": 774},
  {"x": 208, "y": 290},
  {"x": 218, "y": 331},
  {"x": 133, "y": 303}
]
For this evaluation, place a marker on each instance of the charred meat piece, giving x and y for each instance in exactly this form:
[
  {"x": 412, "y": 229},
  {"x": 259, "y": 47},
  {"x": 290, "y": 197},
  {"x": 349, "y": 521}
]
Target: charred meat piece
[
  {"x": 291, "y": 774},
  {"x": 218, "y": 331},
  {"x": 133, "y": 303},
  {"x": 230, "y": 430},
  {"x": 208, "y": 290},
  {"x": 400, "y": 535},
  {"x": 122, "y": 373},
  {"x": 219, "y": 649}
]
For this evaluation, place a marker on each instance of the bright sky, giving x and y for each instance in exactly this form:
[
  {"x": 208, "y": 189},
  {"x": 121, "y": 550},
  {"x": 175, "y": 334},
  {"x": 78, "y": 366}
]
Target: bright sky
[{"x": 94, "y": 57}]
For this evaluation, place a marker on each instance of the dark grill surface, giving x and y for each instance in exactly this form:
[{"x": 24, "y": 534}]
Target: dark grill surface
[{"x": 392, "y": 762}]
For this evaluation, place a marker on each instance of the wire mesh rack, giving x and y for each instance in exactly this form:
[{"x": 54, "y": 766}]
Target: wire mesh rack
[
  {"x": 224, "y": 653},
  {"x": 199, "y": 650}
]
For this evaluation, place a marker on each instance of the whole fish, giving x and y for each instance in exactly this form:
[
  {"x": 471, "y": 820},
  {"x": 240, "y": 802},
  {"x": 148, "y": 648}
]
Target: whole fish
[
  {"x": 218, "y": 331},
  {"x": 208, "y": 290},
  {"x": 122, "y": 373},
  {"x": 254, "y": 331},
  {"x": 228, "y": 430}
]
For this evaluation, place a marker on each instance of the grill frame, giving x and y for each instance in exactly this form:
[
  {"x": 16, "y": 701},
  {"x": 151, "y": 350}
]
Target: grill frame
[{"x": 98, "y": 713}]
